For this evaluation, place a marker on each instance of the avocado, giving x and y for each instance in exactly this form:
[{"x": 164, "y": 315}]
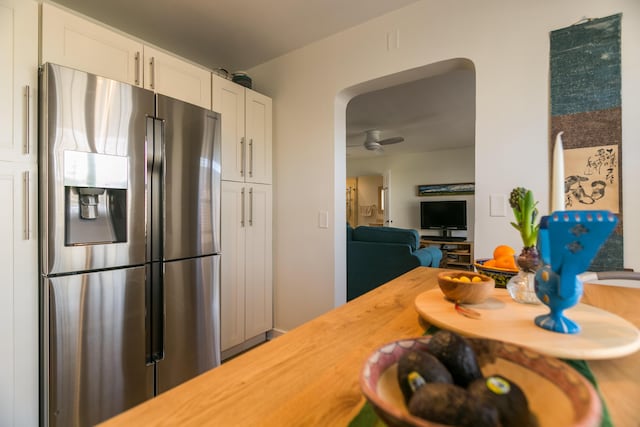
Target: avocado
[
  {"x": 456, "y": 354},
  {"x": 507, "y": 397},
  {"x": 426, "y": 365},
  {"x": 453, "y": 405}
]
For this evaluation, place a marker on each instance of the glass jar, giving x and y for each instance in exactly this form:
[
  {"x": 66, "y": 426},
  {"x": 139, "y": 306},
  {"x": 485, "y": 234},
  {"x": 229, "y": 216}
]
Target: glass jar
[{"x": 521, "y": 287}]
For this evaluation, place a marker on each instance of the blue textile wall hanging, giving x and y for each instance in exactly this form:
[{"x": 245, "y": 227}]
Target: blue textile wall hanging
[{"x": 586, "y": 107}]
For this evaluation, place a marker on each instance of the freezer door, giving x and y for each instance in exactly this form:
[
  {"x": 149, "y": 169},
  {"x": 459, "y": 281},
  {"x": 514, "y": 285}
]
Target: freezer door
[
  {"x": 95, "y": 346},
  {"x": 191, "y": 330},
  {"x": 92, "y": 152},
  {"x": 191, "y": 184}
]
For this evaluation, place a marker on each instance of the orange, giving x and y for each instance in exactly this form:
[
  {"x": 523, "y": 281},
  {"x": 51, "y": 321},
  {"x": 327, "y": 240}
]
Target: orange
[
  {"x": 503, "y": 250},
  {"x": 490, "y": 263},
  {"x": 508, "y": 262}
]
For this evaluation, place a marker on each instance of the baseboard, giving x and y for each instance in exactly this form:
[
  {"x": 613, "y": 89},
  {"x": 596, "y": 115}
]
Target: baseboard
[
  {"x": 242, "y": 347},
  {"x": 275, "y": 333}
]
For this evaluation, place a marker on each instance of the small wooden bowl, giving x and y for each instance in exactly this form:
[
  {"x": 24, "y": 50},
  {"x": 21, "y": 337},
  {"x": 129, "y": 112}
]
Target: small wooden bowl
[{"x": 465, "y": 292}]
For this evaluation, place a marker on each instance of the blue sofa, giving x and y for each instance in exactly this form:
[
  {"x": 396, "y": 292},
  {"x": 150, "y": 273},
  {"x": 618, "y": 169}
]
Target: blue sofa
[{"x": 376, "y": 255}]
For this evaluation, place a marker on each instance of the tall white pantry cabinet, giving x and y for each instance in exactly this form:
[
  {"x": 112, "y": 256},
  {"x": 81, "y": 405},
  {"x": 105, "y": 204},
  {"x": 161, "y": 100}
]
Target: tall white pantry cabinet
[
  {"x": 18, "y": 216},
  {"x": 247, "y": 284}
]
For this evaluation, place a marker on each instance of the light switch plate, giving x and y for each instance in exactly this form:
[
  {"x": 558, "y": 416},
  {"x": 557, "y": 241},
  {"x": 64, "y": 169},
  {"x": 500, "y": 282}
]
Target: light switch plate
[
  {"x": 498, "y": 205},
  {"x": 323, "y": 219}
]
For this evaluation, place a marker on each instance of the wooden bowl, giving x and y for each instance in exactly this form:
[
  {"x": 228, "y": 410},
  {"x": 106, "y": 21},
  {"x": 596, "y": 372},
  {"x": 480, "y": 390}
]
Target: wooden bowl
[
  {"x": 557, "y": 394},
  {"x": 465, "y": 292}
]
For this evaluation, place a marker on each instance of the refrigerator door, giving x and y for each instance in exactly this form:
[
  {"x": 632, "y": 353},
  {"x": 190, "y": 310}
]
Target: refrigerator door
[
  {"x": 97, "y": 346},
  {"x": 192, "y": 319},
  {"x": 191, "y": 186},
  {"x": 92, "y": 206}
]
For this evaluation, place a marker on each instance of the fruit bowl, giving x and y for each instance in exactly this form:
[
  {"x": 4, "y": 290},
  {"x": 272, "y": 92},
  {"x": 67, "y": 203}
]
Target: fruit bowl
[
  {"x": 500, "y": 275},
  {"x": 475, "y": 289},
  {"x": 557, "y": 394}
]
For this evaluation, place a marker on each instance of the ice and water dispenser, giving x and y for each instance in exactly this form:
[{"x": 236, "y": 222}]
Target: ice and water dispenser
[{"x": 95, "y": 188}]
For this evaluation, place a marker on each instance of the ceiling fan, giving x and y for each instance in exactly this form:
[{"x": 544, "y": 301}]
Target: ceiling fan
[{"x": 374, "y": 143}]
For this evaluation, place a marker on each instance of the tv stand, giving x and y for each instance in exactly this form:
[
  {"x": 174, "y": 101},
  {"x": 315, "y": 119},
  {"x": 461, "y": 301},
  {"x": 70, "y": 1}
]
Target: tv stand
[{"x": 456, "y": 253}]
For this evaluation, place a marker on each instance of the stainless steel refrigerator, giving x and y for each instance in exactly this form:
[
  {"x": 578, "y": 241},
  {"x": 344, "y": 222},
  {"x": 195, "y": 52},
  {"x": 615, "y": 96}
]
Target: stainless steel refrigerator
[{"x": 130, "y": 260}]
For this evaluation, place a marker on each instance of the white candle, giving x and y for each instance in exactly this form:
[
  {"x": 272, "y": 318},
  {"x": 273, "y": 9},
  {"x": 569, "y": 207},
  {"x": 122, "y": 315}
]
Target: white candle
[{"x": 557, "y": 183}]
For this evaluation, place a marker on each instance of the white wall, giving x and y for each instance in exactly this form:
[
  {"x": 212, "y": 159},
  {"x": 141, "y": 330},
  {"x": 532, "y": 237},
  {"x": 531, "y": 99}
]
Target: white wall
[
  {"x": 508, "y": 43},
  {"x": 410, "y": 170}
]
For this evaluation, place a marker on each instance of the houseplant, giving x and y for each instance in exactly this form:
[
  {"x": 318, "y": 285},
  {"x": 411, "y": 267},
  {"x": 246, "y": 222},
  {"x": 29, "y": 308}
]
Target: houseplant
[{"x": 524, "y": 206}]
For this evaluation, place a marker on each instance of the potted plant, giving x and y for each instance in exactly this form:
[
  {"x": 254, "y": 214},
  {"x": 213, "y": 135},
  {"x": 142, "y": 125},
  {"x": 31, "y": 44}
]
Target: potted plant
[{"x": 525, "y": 211}]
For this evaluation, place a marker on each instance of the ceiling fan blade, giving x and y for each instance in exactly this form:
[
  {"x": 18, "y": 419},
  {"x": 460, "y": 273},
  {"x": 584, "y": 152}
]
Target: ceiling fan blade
[{"x": 393, "y": 140}]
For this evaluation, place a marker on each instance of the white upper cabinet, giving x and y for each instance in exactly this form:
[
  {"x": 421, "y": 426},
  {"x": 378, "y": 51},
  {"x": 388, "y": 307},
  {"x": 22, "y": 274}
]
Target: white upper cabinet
[
  {"x": 72, "y": 41},
  {"x": 246, "y": 131},
  {"x": 18, "y": 80},
  {"x": 173, "y": 77}
]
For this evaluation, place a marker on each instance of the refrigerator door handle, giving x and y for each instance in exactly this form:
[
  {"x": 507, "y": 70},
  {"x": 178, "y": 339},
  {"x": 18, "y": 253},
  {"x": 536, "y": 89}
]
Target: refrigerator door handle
[{"x": 156, "y": 312}]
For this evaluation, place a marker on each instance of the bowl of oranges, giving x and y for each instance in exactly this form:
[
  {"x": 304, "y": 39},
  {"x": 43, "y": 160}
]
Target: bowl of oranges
[
  {"x": 465, "y": 287},
  {"x": 501, "y": 268}
]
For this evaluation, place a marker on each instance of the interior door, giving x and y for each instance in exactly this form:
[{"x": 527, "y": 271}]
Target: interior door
[{"x": 386, "y": 192}]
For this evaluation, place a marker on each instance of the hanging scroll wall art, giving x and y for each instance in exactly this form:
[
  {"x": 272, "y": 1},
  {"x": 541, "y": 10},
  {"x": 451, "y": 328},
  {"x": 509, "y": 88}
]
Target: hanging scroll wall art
[{"x": 586, "y": 107}]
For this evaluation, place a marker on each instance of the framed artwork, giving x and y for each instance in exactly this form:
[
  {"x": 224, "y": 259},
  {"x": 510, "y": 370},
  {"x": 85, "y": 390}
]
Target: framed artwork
[{"x": 446, "y": 189}]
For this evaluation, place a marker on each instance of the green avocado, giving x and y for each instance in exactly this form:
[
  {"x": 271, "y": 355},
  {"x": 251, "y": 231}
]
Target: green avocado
[
  {"x": 428, "y": 368},
  {"x": 456, "y": 354},
  {"x": 453, "y": 405},
  {"x": 507, "y": 397}
]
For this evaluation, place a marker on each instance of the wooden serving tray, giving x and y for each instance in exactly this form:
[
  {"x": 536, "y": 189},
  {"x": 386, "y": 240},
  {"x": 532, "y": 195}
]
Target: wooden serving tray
[{"x": 603, "y": 336}]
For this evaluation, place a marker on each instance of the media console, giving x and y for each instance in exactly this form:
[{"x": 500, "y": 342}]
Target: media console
[{"x": 455, "y": 253}]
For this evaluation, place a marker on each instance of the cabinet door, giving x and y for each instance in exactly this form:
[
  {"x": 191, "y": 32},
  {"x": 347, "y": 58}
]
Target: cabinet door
[
  {"x": 227, "y": 99},
  {"x": 232, "y": 270},
  {"x": 171, "y": 76},
  {"x": 18, "y": 79},
  {"x": 75, "y": 42},
  {"x": 258, "y": 134},
  {"x": 18, "y": 295},
  {"x": 258, "y": 266}
]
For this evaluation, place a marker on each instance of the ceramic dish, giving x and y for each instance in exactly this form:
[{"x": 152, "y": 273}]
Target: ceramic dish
[
  {"x": 558, "y": 395},
  {"x": 500, "y": 275}
]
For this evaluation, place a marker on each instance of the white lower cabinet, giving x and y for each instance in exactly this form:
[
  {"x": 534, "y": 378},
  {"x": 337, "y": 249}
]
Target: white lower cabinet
[
  {"x": 18, "y": 295},
  {"x": 246, "y": 274}
]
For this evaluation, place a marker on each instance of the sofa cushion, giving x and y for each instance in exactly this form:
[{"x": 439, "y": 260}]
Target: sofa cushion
[{"x": 387, "y": 235}]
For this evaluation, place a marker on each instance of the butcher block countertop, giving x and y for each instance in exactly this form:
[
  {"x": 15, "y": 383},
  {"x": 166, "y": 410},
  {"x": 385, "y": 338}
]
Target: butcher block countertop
[{"x": 310, "y": 375}]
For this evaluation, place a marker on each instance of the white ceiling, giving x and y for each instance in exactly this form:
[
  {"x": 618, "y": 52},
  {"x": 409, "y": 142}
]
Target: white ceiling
[
  {"x": 431, "y": 114},
  {"x": 435, "y": 113},
  {"x": 232, "y": 34}
]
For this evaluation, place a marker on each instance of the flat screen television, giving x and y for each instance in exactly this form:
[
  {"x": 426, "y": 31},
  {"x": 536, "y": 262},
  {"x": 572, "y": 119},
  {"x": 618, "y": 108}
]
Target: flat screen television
[{"x": 443, "y": 215}]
